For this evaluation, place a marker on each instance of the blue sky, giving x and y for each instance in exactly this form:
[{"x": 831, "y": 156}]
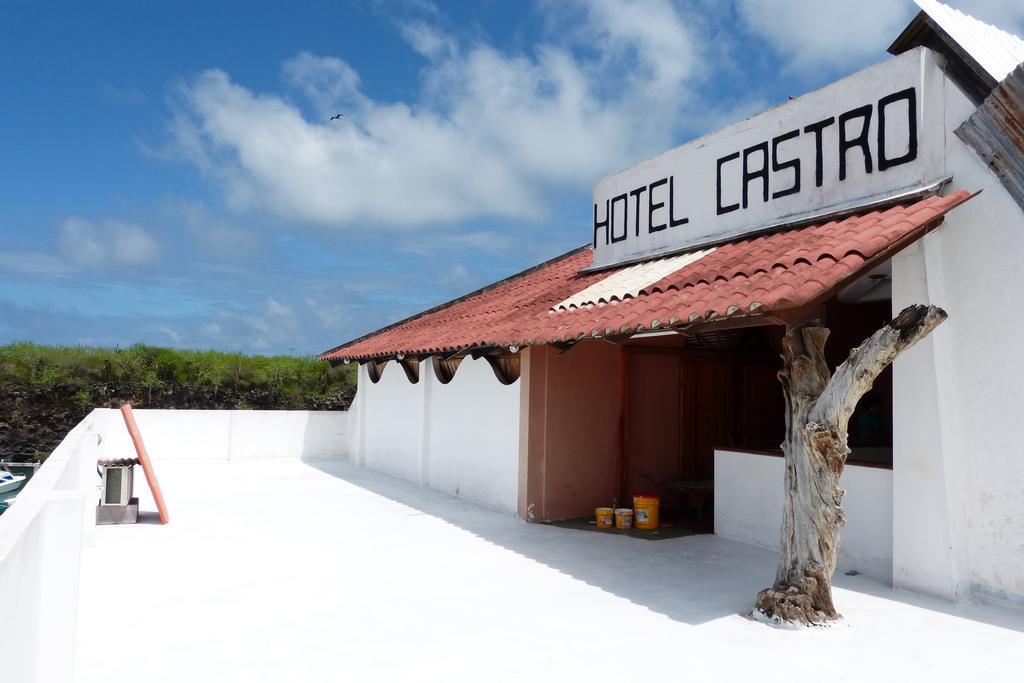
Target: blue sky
[{"x": 171, "y": 175}]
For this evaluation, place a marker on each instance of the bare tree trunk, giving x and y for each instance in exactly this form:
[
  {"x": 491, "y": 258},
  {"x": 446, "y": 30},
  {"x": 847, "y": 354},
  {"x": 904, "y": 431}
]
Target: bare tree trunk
[{"x": 818, "y": 410}]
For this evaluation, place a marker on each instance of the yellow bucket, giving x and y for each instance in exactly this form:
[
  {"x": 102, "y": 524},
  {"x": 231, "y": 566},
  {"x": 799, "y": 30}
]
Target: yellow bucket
[
  {"x": 623, "y": 518},
  {"x": 645, "y": 515},
  {"x": 605, "y": 517}
]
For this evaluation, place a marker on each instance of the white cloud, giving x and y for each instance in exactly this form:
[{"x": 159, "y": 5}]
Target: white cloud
[
  {"x": 485, "y": 242},
  {"x": 106, "y": 243},
  {"x": 456, "y": 275},
  {"x": 278, "y": 325},
  {"x": 427, "y": 40},
  {"x": 652, "y": 31},
  {"x": 33, "y": 263},
  {"x": 273, "y": 327},
  {"x": 332, "y": 315},
  {"x": 277, "y": 311},
  {"x": 212, "y": 233},
  {"x": 172, "y": 334},
  {"x": 825, "y": 34},
  {"x": 491, "y": 133},
  {"x": 123, "y": 96},
  {"x": 328, "y": 82}
]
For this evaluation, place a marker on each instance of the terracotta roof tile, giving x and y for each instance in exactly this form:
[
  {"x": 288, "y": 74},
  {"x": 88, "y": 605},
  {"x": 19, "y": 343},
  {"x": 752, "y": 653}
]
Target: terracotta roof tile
[{"x": 759, "y": 275}]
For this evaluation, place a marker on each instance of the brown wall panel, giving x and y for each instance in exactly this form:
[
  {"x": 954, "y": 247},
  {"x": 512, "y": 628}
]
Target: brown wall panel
[
  {"x": 572, "y": 433},
  {"x": 653, "y": 448}
]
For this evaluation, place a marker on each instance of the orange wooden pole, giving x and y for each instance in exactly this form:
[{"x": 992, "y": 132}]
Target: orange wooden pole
[{"x": 147, "y": 465}]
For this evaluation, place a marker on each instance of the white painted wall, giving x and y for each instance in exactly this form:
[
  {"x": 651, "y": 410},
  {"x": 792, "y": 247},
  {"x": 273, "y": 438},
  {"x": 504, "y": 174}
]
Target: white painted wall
[
  {"x": 749, "y": 492},
  {"x": 957, "y": 504},
  {"x": 41, "y": 538},
  {"x": 228, "y": 435},
  {"x": 461, "y": 438},
  {"x": 474, "y": 445},
  {"x": 958, "y": 474},
  {"x": 393, "y": 428},
  {"x": 42, "y": 534}
]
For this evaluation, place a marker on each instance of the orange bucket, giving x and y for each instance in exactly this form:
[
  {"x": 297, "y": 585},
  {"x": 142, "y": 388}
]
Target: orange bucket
[
  {"x": 605, "y": 517},
  {"x": 645, "y": 511},
  {"x": 623, "y": 518}
]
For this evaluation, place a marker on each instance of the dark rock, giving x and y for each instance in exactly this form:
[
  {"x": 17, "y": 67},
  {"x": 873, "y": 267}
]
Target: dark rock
[{"x": 35, "y": 419}]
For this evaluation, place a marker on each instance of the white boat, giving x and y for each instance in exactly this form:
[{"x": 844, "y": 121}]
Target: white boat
[{"x": 10, "y": 481}]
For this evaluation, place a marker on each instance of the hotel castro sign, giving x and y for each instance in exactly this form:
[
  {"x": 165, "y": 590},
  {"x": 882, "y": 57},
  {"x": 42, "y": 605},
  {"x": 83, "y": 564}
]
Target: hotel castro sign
[{"x": 875, "y": 134}]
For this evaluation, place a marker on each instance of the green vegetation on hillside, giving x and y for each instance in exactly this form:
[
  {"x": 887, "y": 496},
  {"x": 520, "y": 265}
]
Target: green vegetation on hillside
[
  {"x": 46, "y": 390},
  {"x": 152, "y": 368}
]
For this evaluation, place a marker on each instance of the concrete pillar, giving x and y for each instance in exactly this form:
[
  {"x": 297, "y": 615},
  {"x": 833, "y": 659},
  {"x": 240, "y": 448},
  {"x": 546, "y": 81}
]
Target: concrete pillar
[
  {"x": 533, "y": 388},
  {"x": 928, "y": 540},
  {"x": 428, "y": 378}
]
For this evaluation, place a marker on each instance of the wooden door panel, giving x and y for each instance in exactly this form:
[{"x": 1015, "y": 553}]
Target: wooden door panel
[
  {"x": 706, "y": 385},
  {"x": 653, "y": 430}
]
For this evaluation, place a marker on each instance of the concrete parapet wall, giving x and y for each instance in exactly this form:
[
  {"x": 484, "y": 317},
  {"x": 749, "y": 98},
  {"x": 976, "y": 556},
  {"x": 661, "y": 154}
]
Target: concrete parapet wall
[
  {"x": 41, "y": 538},
  {"x": 43, "y": 532},
  {"x": 228, "y": 435},
  {"x": 749, "y": 490}
]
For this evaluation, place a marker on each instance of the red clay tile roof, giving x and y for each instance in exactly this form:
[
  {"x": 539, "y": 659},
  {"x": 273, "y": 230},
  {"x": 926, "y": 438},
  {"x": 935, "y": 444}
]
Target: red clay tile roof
[{"x": 757, "y": 276}]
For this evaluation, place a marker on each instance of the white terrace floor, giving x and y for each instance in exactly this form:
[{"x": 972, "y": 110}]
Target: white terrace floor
[{"x": 324, "y": 572}]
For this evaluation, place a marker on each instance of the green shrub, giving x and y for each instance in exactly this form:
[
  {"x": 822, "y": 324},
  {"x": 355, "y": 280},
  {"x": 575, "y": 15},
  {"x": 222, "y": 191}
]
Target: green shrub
[
  {"x": 82, "y": 399},
  {"x": 152, "y": 368}
]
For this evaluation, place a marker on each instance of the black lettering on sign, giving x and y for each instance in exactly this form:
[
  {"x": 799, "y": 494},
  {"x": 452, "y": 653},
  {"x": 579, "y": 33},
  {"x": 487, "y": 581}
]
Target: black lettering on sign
[
  {"x": 846, "y": 143},
  {"x": 819, "y": 166},
  {"x": 761, "y": 173},
  {"x": 611, "y": 217},
  {"x": 601, "y": 224},
  {"x": 910, "y": 95},
  {"x": 674, "y": 222},
  {"x": 636, "y": 193},
  {"x": 653, "y": 206},
  {"x": 778, "y": 166},
  {"x": 718, "y": 185}
]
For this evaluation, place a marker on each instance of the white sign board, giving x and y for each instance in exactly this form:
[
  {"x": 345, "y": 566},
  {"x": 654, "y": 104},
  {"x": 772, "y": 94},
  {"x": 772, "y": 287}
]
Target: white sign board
[{"x": 877, "y": 133}]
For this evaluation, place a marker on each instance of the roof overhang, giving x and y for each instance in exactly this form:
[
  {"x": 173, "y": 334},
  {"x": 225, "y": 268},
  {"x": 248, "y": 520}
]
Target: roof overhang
[{"x": 769, "y": 279}]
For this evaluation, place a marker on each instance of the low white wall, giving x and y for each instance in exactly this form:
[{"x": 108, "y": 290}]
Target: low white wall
[
  {"x": 461, "y": 438},
  {"x": 749, "y": 490},
  {"x": 42, "y": 534},
  {"x": 41, "y": 537},
  {"x": 228, "y": 435}
]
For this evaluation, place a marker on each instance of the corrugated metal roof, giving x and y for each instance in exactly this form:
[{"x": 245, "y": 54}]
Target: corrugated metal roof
[
  {"x": 996, "y": 51},
  {"x": 117, "y": 462},
  {"x": 996, "y": 132},
  {"x": 759, "y": 276},
  {"x": 628, "y": 282},
  {"x": 977, "y": 54}
]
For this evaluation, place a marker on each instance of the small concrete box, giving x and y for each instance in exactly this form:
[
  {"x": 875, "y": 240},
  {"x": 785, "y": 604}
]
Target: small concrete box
[
  {"x": 116, "y": 504},
  {"x": 118, "y": 514}
]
